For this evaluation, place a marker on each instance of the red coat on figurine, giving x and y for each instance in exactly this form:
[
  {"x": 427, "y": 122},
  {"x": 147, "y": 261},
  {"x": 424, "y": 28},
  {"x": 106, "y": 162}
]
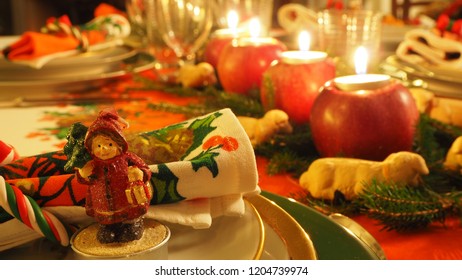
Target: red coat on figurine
[{"x": 119, "y": 193}]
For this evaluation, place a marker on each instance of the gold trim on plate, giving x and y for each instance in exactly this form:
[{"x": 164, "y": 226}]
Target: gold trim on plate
[
  {"x": 261, "y": 243},
  {"x": 297, "y": 241}
]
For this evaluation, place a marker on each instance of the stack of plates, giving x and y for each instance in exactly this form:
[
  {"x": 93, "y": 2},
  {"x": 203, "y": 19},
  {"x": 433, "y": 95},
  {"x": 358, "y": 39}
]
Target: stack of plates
[
  {"x": 75, "y": 73},
  {"x": 442, "y": 81}
]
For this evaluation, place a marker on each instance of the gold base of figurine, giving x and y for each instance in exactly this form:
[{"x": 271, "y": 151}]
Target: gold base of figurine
[{"x": 152, "y": 245}]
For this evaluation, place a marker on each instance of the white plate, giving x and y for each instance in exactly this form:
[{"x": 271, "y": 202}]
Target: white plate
[
  {"x": 442, "y": 81},
  {"x": 219, "y": 242},
  {"x": 89, "y": 63},
  {"x": 73, "y": 83}
]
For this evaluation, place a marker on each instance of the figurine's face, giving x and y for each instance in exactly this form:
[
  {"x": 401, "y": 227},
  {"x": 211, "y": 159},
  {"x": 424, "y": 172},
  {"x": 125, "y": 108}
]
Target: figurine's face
[{"x": 104, "y": 147}]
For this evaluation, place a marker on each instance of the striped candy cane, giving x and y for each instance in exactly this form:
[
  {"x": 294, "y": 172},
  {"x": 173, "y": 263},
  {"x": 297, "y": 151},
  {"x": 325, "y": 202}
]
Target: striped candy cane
[{"x": 25, "y": 209}]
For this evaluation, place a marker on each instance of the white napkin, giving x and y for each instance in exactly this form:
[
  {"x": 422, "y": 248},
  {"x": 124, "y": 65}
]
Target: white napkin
[{"x": 423, "y": 47}]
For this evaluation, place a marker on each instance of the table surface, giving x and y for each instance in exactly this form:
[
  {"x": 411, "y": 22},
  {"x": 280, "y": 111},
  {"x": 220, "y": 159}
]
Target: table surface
[{"x": 435, "y": 242}]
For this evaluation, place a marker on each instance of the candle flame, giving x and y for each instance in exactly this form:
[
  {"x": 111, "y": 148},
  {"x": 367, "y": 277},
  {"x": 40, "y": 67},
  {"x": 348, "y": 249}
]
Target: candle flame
[
  {"x": 254, "y": 28},
  {"x": 304, "y": 41},
  {"x": 361, "y": 58},
  {"x": 233, "y": 20}
]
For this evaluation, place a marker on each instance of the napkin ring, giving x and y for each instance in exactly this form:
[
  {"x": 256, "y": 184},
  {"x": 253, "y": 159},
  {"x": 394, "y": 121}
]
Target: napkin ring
[{"x": 55, "y": 27}]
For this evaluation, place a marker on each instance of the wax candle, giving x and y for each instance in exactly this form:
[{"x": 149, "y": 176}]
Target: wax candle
[
  {"x": 242, "y": 62},
  {"x": 221, "y": 37},
  {"x": 361, "y": 81},
  {"x": 294, "y": 82}
]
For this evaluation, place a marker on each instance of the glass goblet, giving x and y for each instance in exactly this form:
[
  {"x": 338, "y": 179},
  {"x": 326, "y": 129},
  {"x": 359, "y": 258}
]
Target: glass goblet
[{"x": 185, "y": 26}]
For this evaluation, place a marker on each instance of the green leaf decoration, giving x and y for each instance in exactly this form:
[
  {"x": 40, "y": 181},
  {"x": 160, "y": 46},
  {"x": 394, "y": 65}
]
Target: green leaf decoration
[
  {"x": 164, "y": 184},
  {"x": 206, "y": 159},
  {"x": 201, "y": 127}
]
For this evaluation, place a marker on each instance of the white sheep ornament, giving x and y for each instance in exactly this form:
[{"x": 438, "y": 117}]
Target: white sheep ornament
[
  {"x": 350, "y": 176},
  {"x": 260, "y": 130},
  {"x": 453, "y": 160}
]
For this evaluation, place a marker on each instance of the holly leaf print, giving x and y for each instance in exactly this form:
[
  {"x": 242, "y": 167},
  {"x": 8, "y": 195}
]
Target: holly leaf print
[
  {"x": 164, "y": 183},
  {"x": 201, "y": 128},
  {"x": 206, "y": 159}
]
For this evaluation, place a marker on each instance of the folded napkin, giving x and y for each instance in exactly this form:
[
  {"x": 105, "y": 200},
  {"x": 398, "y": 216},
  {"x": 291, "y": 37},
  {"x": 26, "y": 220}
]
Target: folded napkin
[
  {"x": 60, "y": 39},
  {"x": 211, "y": 168},
  {"x": 295, "y": 17},
  {"x": 423, "y": 47}
]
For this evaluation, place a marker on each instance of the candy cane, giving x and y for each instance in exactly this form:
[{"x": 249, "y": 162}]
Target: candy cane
[
  {"x": 7, "y": 153},
  {"x": 25, "y": 209}
]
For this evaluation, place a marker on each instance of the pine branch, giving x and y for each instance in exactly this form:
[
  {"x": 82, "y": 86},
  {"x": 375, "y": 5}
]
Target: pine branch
[
  {"x": 212, "y": 99},
  {"x": 291, "y": 153},
  {"x": 403, "y": 208}
]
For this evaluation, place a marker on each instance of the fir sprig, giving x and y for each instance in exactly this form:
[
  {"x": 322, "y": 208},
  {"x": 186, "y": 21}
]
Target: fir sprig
[
  {"x": 211, "y": 99},
  {"x": 403, "y": 208},
  {"x": 289, "y": 153},
  {"x": 433, "y": 139}
]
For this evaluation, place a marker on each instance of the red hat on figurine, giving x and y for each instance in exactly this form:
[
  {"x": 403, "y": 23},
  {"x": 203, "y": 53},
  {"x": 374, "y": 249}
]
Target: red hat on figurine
[{"x": 108, "y": 123}]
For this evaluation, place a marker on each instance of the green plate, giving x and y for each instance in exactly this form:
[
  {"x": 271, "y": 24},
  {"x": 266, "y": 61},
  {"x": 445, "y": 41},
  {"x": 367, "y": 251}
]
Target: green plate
[{"x": 331, "y": 240}]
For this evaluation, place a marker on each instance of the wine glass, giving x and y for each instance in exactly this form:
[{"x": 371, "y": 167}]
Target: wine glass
[{"x": 184, "y": 25}]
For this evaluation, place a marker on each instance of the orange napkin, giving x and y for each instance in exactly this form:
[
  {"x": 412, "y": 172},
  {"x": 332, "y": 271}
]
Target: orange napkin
[
  {"x": 33, "y": 45},
  {"x": 59, "y": 39},
  {"x": 105, "y": 9}
]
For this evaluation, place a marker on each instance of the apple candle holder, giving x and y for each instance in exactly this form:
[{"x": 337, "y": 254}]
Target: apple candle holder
[
  {"x": 242, "y": 63},
  {"x": 363, "y": 116},
  {"x": 293, "y": 83}
]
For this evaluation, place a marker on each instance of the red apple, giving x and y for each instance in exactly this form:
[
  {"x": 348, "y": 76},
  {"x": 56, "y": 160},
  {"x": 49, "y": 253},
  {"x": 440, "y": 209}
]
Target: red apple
[
  {"x": 294, "y": 87},
  {"x": 368, "y": 124},
  {"x": 242, "y": 62}
]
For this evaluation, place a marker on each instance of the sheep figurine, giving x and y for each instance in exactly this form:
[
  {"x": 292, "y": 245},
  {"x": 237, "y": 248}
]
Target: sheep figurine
[
  {"x": 350, "y": 176},
  {"x": 453, "y": 160},
  {"x": 260, "y": 130}
]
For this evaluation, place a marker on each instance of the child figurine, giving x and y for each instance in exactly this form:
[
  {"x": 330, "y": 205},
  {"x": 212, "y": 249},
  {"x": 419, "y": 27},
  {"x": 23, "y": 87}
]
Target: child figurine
[{"x": 119, "y": 192}]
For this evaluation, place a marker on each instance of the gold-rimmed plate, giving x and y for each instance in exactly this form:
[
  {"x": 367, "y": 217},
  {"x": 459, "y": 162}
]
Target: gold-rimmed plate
[
  {"x": 331, "y": 240},
  {"x": 283, "y": 232}
]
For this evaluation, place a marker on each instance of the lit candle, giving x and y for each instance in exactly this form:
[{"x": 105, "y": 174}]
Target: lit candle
[
  {"x": 221, "y": 37},
  {"x": 294, "y": 82},
  {"x": 361, "y": 81},
  {"x": 255, "y": 38},
  {"x": 304, "y": 55},
  {"x": 232, "y": 31}
]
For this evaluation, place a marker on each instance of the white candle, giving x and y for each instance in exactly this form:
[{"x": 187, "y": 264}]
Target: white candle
[
  {"x": 250, "y": 41},
  {"x": 232, "y": 31},
  {"x": 303, "y": 56},
  {"x": 361, "y": 81}
]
